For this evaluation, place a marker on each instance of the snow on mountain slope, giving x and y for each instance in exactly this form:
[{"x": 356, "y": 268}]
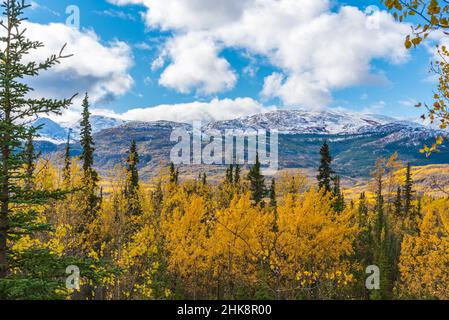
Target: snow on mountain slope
[
  {"x": 57, "y": 132},
  {"x": 284, "y": 121},
  {"x": 306, "y": 122}
]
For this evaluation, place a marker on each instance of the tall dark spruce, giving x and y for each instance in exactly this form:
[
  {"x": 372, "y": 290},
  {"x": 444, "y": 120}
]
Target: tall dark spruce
[
  {"x": 132, "y": 183},
  {"x": 325, "y": 171},
  {"x": 90, "y": 176},
  {"x": 67, "y": 161},
  {"x": 36, "y": 269},
  {"x": 257, "y": 182}
]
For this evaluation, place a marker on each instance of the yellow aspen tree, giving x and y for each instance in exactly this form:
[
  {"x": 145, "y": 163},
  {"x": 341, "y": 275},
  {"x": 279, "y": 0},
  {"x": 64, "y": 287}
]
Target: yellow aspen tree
[{"x": 424, "y": 261}]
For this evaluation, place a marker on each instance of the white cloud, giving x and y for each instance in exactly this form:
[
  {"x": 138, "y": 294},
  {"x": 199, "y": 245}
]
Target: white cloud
[
  {"x": 97, "y": 68},
  {"x": 213, "y": 110},
  {"x": 196, "y": 66},
  {"x": 297, "y": 90},
  {"x": 203, "y": 111},
  {"x": 190, "y": 14},
  {"x": 316, "y": 48}
]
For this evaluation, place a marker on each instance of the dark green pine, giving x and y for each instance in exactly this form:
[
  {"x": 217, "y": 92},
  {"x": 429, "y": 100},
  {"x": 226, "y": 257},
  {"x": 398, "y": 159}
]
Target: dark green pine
[
  {"x": 325, "y": 171},
  {"x": 257, "y": 182}
]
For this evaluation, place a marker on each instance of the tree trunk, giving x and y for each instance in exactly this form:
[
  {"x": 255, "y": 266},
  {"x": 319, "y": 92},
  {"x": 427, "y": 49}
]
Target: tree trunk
[
  {"x": 5, "y": 153},
  {"x": 4, "y": 200}
]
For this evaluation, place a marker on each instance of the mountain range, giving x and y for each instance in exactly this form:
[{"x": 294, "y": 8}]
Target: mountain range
[{"x": 357, "y": 140}]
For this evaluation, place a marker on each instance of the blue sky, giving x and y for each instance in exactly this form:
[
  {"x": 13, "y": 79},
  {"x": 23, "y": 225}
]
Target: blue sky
[{"x": 381, "y": 80}]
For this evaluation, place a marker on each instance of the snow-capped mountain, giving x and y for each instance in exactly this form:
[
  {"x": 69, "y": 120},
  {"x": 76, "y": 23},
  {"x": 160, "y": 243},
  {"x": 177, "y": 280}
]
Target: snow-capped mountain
[
  {"x": 57, "y": 132},
  {"x": 357, "y": 140},
  {"x": 50, "y": 131},
  {"x": 284, "y": 121},
  {"x": 308, "y": 122}
]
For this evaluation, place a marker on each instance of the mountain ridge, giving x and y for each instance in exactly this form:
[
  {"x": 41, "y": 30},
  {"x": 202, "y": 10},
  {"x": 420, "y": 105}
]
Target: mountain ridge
[{"x": 357, "y": 141}]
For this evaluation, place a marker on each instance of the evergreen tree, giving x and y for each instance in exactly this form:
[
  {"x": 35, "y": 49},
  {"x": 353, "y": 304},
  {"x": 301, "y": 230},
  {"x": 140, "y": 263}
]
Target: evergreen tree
[
  {"x": 272, "y": 194},
  {"x": 339, "y": 199},
  {"x": 67, "y": 161},
  {"x": 398, "y": 203},
  {"x": 257, "y": 182},
  {"x": 408, "y": 192},
  {"x": 133, "y": 173},
  {"x": 174, "y": 174},
  {"x": 230, "y": 174},
  {"x": 325, "y": 171},
  {"x": 90, "y": 176},
  {"x": 363, "y": 210},
  {"x": 384, "y": 242},
  {"x": 87, "y": 143},
  {"x": 37, "y": 272},
  {"x": 237, "y": 174},
  {"x": 132, "y": 183},
  {"x": 30, "y": 160},
  {"x": 204, "y": 179}
]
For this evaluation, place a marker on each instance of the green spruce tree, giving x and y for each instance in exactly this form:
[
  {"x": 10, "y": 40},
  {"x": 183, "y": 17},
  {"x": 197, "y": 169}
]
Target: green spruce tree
[
  {"x": 257, "y": 182},
  {"x": 90, "y": 176},
  {"x": 34, "y": 273},
  {"x": 132, "y": 181},
  {"x": 174, "y": 174},
  {"x": 30, "y": 160},
  {"x": 325, "y": 171},
  {"x": 339, "y": 199},
  {"x": 237, "y": 174},
  {"x": 67, "y": 175},
  {"x": 230, "y": 174},
  {"x": 408, "y": 192},
  {"x": 398, "y": 203}
]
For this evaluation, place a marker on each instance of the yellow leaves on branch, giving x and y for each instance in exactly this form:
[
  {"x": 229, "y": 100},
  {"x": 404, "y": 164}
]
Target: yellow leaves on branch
[{"x": 424, "y": 262}]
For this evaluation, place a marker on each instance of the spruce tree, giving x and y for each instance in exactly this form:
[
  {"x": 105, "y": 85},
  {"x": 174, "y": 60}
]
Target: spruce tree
[
  {"x": 174, "y": 174},
  {"x": 408, "y": 192},
  {"x": 67, "y": 161},
  {"x": 30, "y": 160},
  {"x": 398, "y": 203},
  {"x": 87, "y": 143},
  {"x": 37, "y": 272},
  {"x": 339, "y": 199},
  {"x": 237, "y": 174},
  {"x": 325, "y": 171},
  {"x": 363, "y": 210},
  {"x": 383, "y": 242},
  {"x": 132, "y": 183},
  {"x": 230, "y": 174},
  {"x": 257, "y": 182},
  {"x": 90, "y": 176}
]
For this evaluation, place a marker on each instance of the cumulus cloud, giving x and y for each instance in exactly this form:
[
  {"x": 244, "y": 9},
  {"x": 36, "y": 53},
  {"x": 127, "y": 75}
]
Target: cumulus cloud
[
  {"x": 189, "y": 14},
  {"x": 196, "y": 66},
  {"x": 97, "y": 68},
  {"x": 316, "y": 48},
  {"x": 213, "y": 110},
  {"x": 198, "y": 111}
]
